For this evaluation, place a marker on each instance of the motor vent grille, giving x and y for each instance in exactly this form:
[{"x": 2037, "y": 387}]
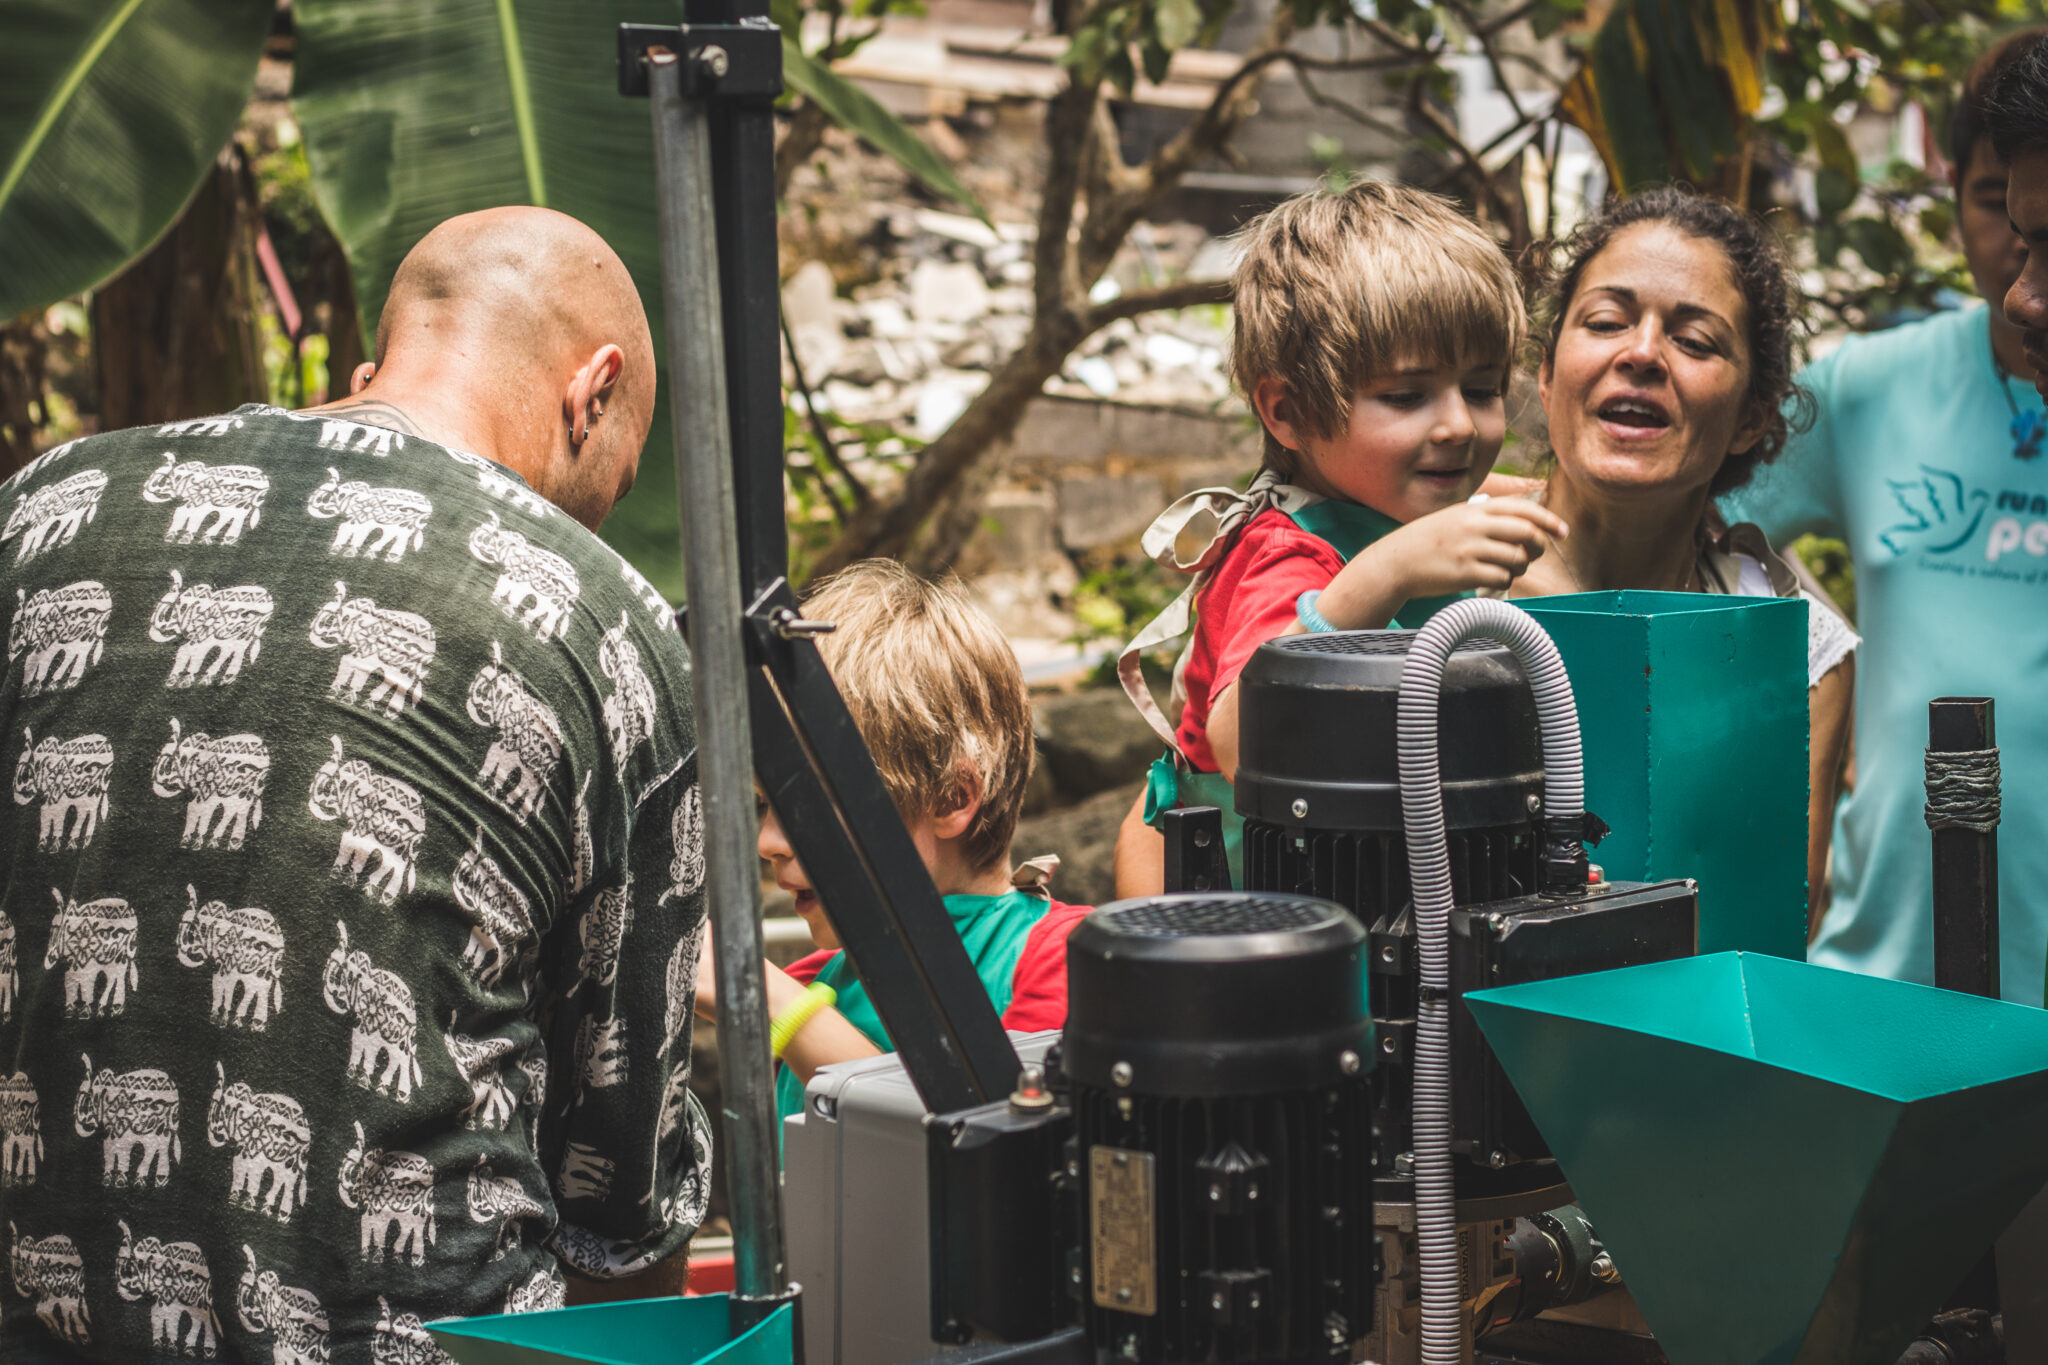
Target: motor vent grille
[{"x": 1199, "y": 916}]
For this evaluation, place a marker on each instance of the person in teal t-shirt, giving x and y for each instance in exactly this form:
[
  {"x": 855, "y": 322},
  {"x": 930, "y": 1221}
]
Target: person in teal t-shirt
[
  {"x": 937, "y": 694},
  {"x": 1926, "y": 458},
  {"x": 1376, "y": 328}
]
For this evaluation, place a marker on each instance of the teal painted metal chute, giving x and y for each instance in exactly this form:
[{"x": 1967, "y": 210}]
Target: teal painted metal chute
[
  {"x": 693, "y": 1331},
  {"x": 1790, "y": 1165}
]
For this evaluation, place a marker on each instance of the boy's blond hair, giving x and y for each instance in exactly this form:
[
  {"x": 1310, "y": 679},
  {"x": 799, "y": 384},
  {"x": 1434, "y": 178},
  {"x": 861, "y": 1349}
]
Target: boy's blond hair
[
  {"x": 1336, "y": 286},
  {"x": 934, "y": 688}
]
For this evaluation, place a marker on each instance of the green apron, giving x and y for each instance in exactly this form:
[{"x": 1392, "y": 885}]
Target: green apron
[{"x": 1347, "y": 528}]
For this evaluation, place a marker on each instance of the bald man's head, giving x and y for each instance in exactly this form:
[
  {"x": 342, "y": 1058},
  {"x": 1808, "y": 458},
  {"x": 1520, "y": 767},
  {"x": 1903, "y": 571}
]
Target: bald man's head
[{"x": 518, "y": 307}]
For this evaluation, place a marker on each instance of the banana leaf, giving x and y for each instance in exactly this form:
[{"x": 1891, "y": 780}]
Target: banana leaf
[
  {"x": 1669, "y": 85},
  {"x": 414, "y": 111},
  {"x": 110, "y": 113}
]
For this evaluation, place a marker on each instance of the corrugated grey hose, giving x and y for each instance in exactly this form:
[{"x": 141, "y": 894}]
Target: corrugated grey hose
[{"x": 1429, "y": 871}]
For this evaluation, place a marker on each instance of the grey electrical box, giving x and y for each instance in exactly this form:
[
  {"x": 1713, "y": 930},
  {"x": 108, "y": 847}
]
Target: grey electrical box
[{"x": 854, "y": 1192}]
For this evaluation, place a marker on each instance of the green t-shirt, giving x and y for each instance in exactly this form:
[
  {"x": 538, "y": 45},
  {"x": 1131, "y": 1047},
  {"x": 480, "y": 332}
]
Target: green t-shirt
[
  {"x": 352, "y": 896},
  {"x": 993, "y": 929}
]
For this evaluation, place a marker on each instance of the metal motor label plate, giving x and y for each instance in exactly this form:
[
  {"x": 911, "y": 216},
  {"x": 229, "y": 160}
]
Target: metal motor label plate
[{"x": 1121, "y": 1218}]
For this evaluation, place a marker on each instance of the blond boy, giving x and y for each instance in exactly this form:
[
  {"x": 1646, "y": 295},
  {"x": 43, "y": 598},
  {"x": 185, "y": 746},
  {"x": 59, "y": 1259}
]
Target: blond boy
[
  {"x": 1376, "y": 329},
  {"x": 936, "y": 692}
]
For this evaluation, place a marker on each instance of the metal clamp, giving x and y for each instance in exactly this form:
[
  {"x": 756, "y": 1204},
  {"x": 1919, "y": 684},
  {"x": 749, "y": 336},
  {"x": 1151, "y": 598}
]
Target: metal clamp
[{"x": 719, "y": 61}]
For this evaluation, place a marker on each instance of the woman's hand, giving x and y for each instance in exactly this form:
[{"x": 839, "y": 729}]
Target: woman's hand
[{"x": 1472, "y": 545}]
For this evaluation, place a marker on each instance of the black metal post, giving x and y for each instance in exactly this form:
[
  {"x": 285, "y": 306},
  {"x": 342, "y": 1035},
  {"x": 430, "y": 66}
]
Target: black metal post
[
  {"x": 704, "y": 490},
  {"x": 1195, "y": 856},
  {"x": 1965, "y": 889},
  {"x": 1965, "y": 861}
]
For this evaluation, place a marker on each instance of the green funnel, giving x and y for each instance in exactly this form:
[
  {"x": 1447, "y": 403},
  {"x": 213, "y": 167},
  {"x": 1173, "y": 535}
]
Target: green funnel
[
  {"x": 1790, "y": 1165},
  {"x": 692, "y": 1331}
]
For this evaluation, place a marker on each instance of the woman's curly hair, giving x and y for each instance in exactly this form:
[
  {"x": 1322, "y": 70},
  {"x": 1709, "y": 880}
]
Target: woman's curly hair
[{"x": 1770, "y": 292}]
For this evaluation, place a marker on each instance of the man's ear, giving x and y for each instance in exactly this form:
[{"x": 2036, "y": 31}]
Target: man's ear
[
  {"x": 590, "y": 388},
  {"x": 964, "y": 802},
  {"x": 359, "y": 378},
  {"x": 1543, "y": 377},
  {"x": 1275, "y": 406}
]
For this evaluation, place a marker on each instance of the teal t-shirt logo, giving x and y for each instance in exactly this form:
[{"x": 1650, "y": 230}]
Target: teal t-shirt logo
[{"x": 1941, "y": 512}]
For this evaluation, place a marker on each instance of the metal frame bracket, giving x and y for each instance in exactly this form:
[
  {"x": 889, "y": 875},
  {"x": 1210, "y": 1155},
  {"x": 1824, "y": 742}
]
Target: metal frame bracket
[{"x": 720, "y": 61}]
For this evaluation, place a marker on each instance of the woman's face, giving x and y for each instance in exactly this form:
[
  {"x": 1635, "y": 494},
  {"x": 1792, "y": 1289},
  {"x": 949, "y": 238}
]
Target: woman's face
[{"x": 1647, "y": 389}]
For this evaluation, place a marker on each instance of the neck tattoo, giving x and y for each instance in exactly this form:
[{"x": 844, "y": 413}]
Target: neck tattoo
[{"x": 2027, "y": 428}]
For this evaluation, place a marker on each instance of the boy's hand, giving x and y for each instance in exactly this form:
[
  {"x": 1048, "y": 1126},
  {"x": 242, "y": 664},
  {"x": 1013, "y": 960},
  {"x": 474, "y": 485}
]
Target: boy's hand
[{"x": 1472, "y": 545}]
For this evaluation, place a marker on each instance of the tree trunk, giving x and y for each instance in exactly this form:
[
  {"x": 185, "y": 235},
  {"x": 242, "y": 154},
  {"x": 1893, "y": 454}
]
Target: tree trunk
[
  {"x": 23, "y": 344},
  {"x": 177, "y": 334}
]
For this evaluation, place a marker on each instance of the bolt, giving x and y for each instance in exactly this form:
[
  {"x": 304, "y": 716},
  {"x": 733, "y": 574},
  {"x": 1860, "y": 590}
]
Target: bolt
[
  {"x": 715, "y": 60},
  {"x": 1121, "y": 1073},
  {"x": 1201, "y": 838},
  {"x": 1123, "y": 1295},
  {"x": 1123, "y": 1107},
  {"x": 1216, "y": 1302},
  {"x": 1121, "y": 1159},
  {"x": 1603, "y": 1266},
  {"x": 1496, "y": 1158},
  {"x": 1334, "y": 1335},
  {"x": 1300, "y": 808},
  {"x": 1128, "y": 1348},
  {"x": 787, "y": 623},
  {"x": 1535, "y": 803},
  {"x": 1251, "y": 1191},
  {"x": 1347, "y": 1062},
  {"x": 1215, "y": 1194},
  {"x": 1074, "y": 1275},
  {"x": 1496, "y": 922},
  {"x": 1387, "y": 954},
  {"x": 1255, "y": 1298}
]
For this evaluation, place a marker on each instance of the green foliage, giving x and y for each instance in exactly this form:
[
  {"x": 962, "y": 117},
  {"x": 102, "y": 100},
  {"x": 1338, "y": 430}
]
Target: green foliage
[
  {"x": 110, "y": 112},
  {"x": 1102, "y": 48},
  {"x": 1113, "y": 602},
  {"x": 1831, "y": 563},
  {"x": 853, "y": 109}
]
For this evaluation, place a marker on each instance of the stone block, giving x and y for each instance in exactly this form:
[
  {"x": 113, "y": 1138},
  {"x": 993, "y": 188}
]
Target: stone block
[
  {"x": 1097, "y": 510},
  {"x": 1093, "y": 740},
  {"x": 809, "y": 299},
  {"x": 947, "y": 291}
]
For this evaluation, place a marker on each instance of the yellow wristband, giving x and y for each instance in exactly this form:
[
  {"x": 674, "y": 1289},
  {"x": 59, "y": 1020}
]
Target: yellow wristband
[{"x": 786, "y": 1025}]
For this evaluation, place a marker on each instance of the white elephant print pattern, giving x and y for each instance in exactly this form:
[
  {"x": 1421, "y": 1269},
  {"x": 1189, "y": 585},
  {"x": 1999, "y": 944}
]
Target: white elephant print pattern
[
  {"x": 52, "y": 515},
  {"x": 500, "y": 799},
  {"x": 396, "y": 647},
  {"x": 271, "y": 1140},
  {"x": 381, "y": 818},
  {"x": 395, "y": 1193},
  {"x": 292, "y": 1318},
  {"x": 50, "y": 1271},
  {"x": 95, "y": 945},
  {"x": 217, "y": 630},
  {"x": 173, "y": 1277},
  {"x": 222, "y": 781},
  {"x": 528, "y": 740},
  {"x": 527, "y": 574},
  {"x": 58, "y": 634},
  {"x": 68, "y": 778},
  {"x": 379, "y": 1005},
  {"x": 228, "y": 496},
  {"x": 245, "y": 948},
  {"x": 136, "y": 1115},
  {"x": 21, "y": 1131},
  {"x": 398, "y": 517},
  {"x": 501, "y": 917},
  {"x": 402, "y": 1339}
]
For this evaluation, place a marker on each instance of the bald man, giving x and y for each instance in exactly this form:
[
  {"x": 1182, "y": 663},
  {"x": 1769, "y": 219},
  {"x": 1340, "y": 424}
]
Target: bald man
[{"x": 352, "y": 876}]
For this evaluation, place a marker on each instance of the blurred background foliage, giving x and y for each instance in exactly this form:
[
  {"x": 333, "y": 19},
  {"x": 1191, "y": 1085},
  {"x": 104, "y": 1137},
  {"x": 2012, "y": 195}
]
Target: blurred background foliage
[{"x": 225, "y": 230}]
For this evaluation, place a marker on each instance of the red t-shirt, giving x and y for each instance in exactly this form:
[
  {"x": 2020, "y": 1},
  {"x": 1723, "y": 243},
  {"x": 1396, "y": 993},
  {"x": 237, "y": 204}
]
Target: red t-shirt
[
  {"x": 1249, "y": 600},
  {"x": 1038, "y": 986}
]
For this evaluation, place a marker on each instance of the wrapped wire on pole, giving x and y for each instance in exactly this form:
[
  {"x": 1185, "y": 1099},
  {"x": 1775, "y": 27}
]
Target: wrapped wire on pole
[{"x": 704, "y": 491}]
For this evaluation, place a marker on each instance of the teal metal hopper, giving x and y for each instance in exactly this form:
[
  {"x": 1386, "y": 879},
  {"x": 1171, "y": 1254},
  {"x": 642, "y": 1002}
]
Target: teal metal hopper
[
  {"x": 690, "y": 1331},
  {"x": 1790, "y": 1165}
]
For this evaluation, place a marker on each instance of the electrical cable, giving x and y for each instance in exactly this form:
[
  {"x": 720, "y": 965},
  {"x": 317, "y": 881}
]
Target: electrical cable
[{"x": 1962, "y": 790}]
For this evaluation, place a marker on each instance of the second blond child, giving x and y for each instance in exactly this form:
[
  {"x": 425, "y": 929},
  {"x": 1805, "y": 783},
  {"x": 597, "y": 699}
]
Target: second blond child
[{"x": 1375, "y": 332}]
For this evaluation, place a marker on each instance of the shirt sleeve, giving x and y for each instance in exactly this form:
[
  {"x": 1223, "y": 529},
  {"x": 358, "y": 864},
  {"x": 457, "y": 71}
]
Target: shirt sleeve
[
  {"x": 1798, "y": 493},
  {"x": 1262, "y": 605},
  {"x": 1038, "y": 995},
  {"x": 635, "y": 1174}
]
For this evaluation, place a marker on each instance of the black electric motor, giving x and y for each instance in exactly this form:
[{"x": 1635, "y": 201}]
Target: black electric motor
[
  {"x": 1319, "y": 785},
  {"x": 1217, "y": 1050}
]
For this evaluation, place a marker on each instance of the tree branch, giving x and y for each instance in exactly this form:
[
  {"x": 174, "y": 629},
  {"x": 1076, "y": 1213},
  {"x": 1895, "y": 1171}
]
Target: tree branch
[
  {"x": 1180, "y": 294},
  {"x": 802, "y": 136},
  {"x": 1513, "y": 16},
  {"x": 1500, "y": 75}
]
